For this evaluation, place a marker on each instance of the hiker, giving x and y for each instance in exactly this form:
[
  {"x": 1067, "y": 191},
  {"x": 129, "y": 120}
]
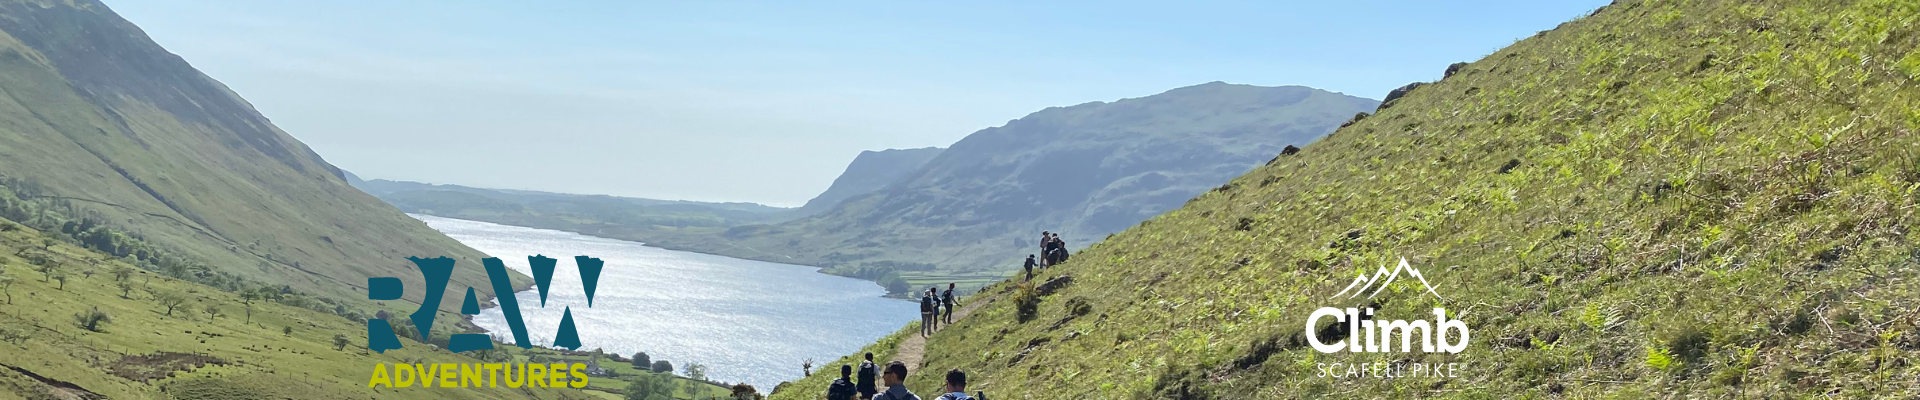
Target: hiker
[
  {"x": 956, "y": 386},
  {"x": 868, "y": 372},
  {"x": 926, "y": 314},
  {"x": 1030, "y": 267},
  {"x": 1058, "y": 254},
  {"x": 1046, "y": 243},
  {"x": 896, "y": 374},
  {"x": 935, "y": 294},
  {"x": 946, "y": 298},
  {"x": 843, "y": 388}
]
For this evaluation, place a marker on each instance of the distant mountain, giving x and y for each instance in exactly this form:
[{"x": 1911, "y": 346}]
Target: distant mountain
[
  {"x": 616, "y": 217},
  {"x": 144, "y": 156},
  {"x": 870, "y": 171},
  {"x": 1085, "y": 171}
]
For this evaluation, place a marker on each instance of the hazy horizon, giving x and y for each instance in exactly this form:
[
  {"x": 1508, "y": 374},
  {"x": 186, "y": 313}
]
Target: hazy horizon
[{"x": 763, "y": 103}]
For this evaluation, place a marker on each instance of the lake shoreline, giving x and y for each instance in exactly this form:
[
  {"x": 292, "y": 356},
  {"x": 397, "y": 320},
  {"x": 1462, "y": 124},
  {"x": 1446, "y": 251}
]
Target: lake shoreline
[{"x": 745, "y": 320}]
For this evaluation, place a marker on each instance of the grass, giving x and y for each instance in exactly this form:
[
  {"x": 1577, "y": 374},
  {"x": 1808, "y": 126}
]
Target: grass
[
  {"x": 1674, "y": 199},
  {"x": 120, "y": 132},
  {"x": 137, "y": 353},
  {"x": 815, "y": 386}
]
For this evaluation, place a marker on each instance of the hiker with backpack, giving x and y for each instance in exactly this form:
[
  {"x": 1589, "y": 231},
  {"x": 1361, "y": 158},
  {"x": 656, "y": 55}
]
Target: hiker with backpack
[
  {"x": 895, "y": 377},
  {"x": 946, "y": 299},
  {"x": 957, "y": 386},
  {"x": 843, "y": 388},
  {"x": 864, "y": 383},
  {"x": 927, "y": 323},
  {"x": 1030, "y": 264}
]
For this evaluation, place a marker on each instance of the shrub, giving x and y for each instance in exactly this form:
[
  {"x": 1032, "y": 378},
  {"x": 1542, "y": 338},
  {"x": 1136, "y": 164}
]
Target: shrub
[
  {"x": 92, "y": 319},
  {"x": 1027, "y": 302}
]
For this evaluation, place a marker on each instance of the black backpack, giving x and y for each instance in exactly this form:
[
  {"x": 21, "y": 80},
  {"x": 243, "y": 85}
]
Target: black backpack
[
  {"x": 841, "y": 390},
  {"x": 926, "y": 304},
  {"x": 867, "y": 373}
]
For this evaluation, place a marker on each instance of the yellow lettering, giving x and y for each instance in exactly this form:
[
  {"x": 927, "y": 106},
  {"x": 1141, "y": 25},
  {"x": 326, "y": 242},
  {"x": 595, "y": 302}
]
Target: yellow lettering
[
  {"x": 579, "y": 373},
  {"x": 380, "y": 376},
  {"x": 449, "y": 375},
  {"x": 403, "y": 375},
  {"x": 555, "y": 377},
  {"x": 536, "y": 375},
  {"x": 493, "y": 370},
  {"x": 427, "y": 372},
  {"x": 470, "y": 375},
  {"x": 513, "y": 383}
]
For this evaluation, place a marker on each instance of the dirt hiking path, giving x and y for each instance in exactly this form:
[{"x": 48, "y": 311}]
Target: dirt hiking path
[{"x": 913, "y": 350}]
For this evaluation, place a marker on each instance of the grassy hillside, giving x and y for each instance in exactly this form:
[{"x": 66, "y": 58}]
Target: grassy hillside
[
  {"x": 976, "y": 210},
  {"x": 248, "y": 349},
  {"x": 134, "y": 139},
  {"x": 1671, "y": 199}
]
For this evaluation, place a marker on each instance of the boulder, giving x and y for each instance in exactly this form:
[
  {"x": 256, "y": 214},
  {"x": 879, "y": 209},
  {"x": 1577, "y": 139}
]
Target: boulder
[
  {"x": 1055, "y": 284},
  {"x": 1396, "y": 94},
  {"x": 1454, "y": 69}
]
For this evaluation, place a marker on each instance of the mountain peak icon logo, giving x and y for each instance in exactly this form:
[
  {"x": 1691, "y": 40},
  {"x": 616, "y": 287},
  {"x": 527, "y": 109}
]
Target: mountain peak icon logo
[{"x": 1382, "y": 278}]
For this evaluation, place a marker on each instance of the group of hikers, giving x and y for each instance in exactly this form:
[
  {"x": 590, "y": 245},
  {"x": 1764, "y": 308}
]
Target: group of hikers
[
  {"x": 935, "y": 306},
  {"x": 850, "y": 387},
  {"x": 1053, "y": 249}
]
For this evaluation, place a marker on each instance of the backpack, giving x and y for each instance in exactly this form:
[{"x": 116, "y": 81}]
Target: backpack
[
  {"x": 866, "y": 376},
  {"x": 955, "y": 396},
  {"x": 947, "y": 298},
  {"x": 926, "y": 304},
  {"x": 841, "y": 390}
]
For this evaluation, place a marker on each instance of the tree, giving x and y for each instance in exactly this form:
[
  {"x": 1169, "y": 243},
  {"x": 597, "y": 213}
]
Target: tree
[
  {"x": 6, "y": 283},
  {"x": 895, "y": 284},
  {"x": 121, "y": 272},
  {"x": 340, "y": 341},
  {"x": 212, "y": 310},
  {"x": 742, "y": 391},
  {"x": 91, "y": 320},
  {"x": 663, "y": 366},
  {"x": 88, "y": 272},
  {"x": 126, "y": 289},
  {"x": 63, "y": 280},
  {"x": 642, "y": 362},
  {"x": 697, "y": 372},
  {"x": 170, "y": 300},
  {"x": 246, "y": 300},
  {"x": 48, "y": 268},
  {"x": 286, "y": 331},
  {"x": 650, "y": 386}
]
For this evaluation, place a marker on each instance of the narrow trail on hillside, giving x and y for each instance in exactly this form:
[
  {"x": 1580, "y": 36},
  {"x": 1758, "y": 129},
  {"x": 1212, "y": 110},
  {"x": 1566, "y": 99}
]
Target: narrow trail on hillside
[{"x": 913, "y": 351}]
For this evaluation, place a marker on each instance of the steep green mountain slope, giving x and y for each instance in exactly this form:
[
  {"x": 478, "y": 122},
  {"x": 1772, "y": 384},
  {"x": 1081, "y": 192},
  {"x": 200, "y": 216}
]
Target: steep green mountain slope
[
  {"x": 869, "y": 172},
  {"x": 1666, "y": 199},
  {"x": 136, "y": 140},
  {"x": 1083, "y": 171}
]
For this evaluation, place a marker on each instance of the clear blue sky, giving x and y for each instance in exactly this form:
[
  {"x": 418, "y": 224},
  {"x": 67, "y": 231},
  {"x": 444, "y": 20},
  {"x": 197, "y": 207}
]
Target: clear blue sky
[{"x": 735, "y": 101}]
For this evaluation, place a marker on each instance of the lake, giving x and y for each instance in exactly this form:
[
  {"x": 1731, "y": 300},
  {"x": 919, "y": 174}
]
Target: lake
[{"x": 746, "y": 321}]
